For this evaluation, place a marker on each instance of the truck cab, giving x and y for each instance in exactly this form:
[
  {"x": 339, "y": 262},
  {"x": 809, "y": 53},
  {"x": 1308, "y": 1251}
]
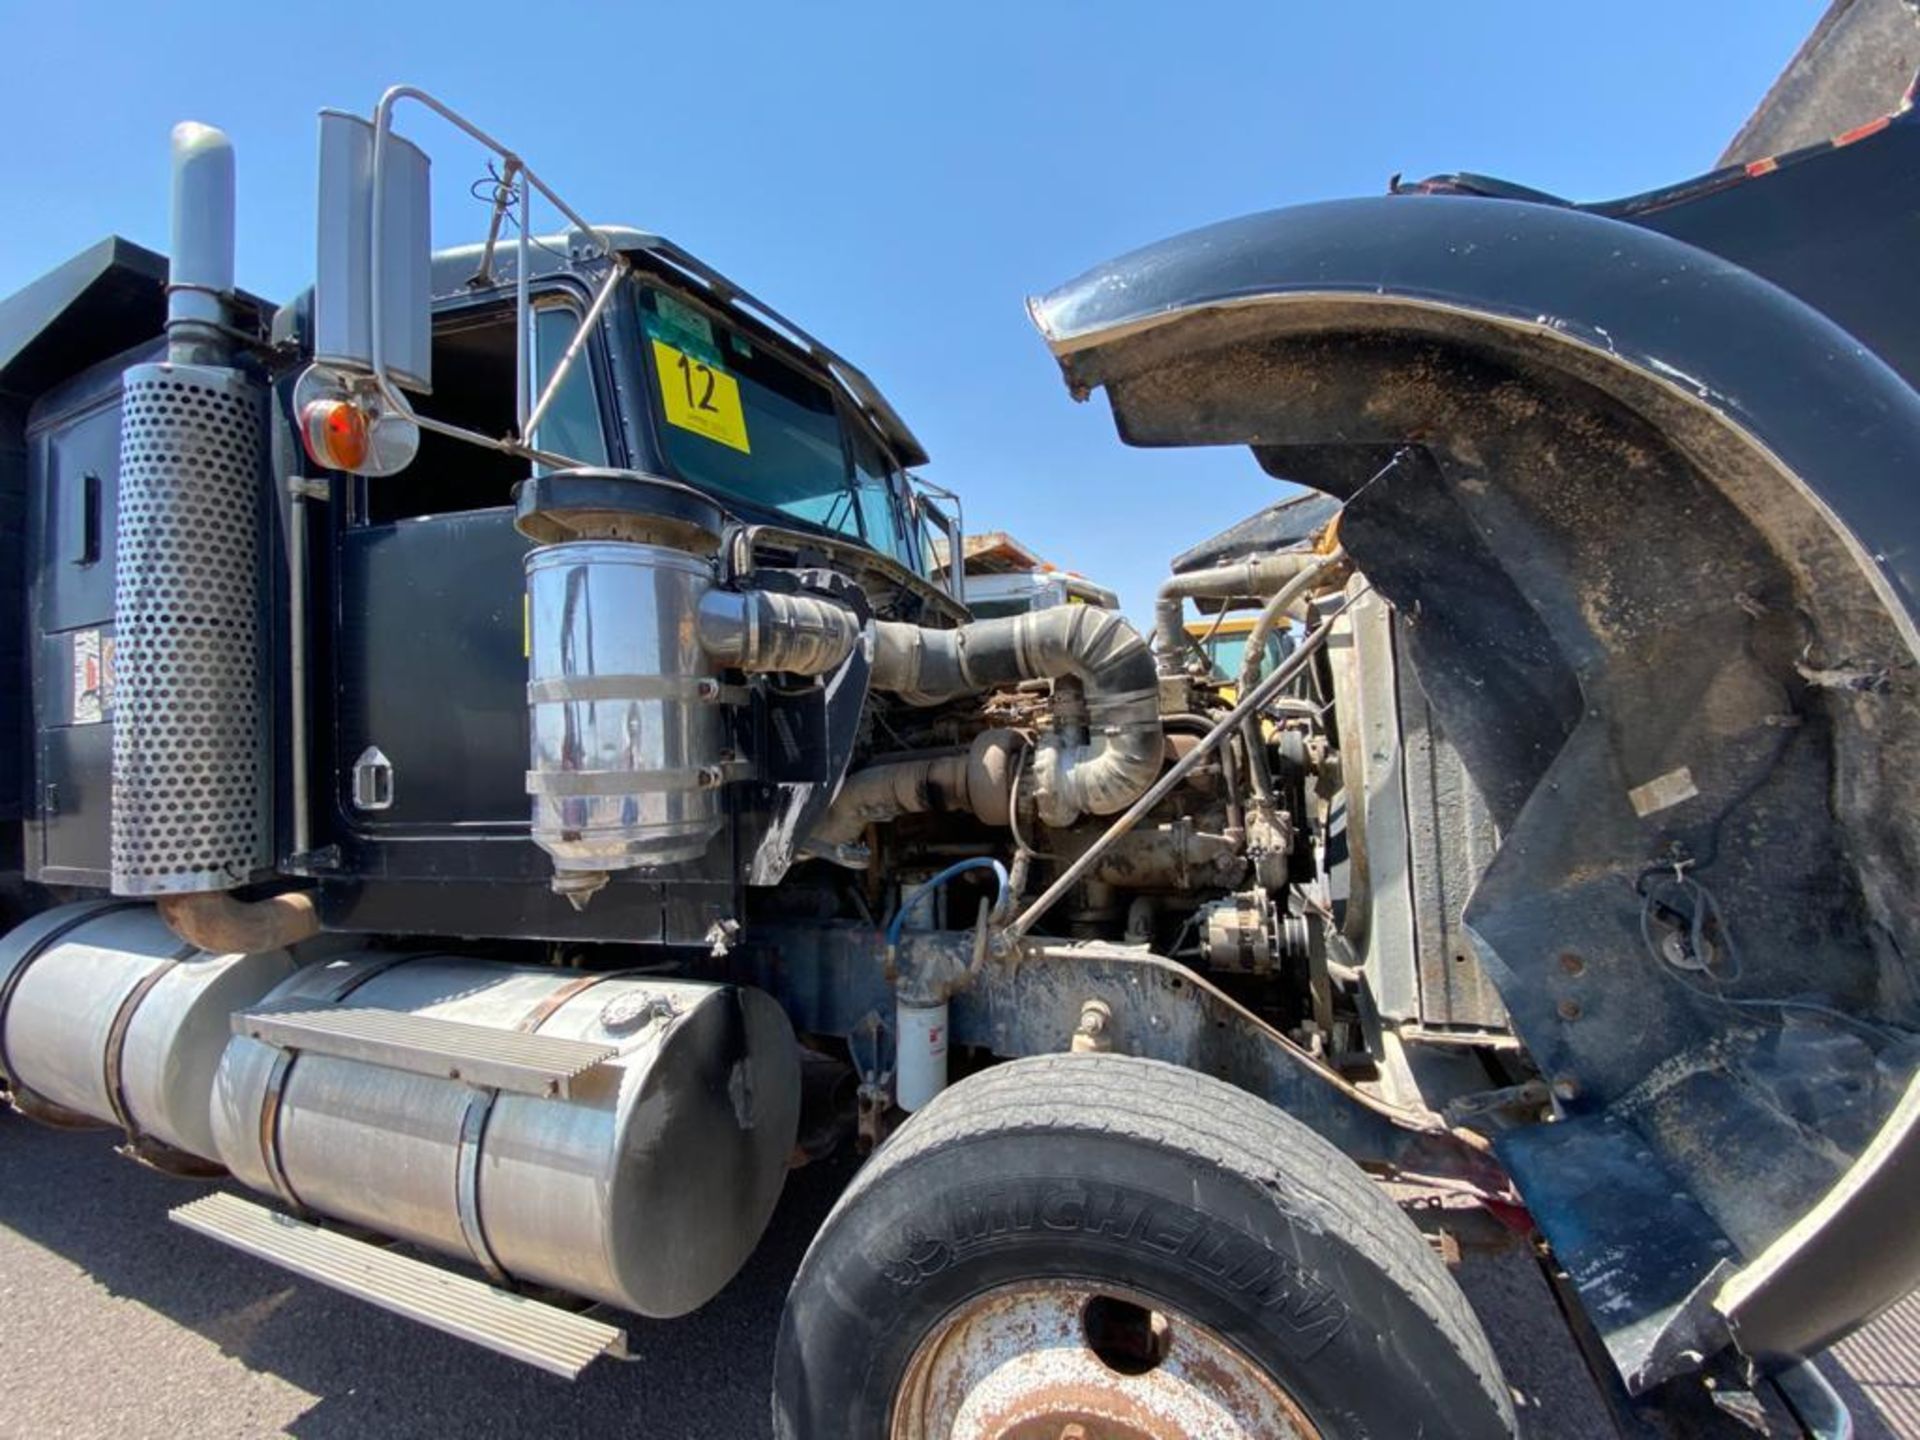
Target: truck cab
[
  {"x": 410, "y": 643},
  {"x": 677, "y": 378}
]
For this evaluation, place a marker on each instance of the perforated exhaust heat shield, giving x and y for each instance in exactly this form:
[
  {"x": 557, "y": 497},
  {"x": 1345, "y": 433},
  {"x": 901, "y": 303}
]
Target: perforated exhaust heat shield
[{"x": 190, "y": 753}]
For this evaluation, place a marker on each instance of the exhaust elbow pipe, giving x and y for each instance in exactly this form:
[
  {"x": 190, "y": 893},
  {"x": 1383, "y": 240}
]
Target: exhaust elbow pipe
[
  {"x": 222, "y": 925},
  {"x": 977, "y": 781}
]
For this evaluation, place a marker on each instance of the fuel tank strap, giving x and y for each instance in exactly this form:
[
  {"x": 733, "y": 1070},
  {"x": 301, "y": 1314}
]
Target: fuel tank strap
[
  {"x": 40, "y": 947},
  {"x": 466, "y": 1189},
  {"x": 473, "y": 1130},
  {"x": 541, "y": 1013},
  {"x": 270, "y": 1130},
  {"x": 283, "y": 1064},
  {"x": 113, "y": 1061}
]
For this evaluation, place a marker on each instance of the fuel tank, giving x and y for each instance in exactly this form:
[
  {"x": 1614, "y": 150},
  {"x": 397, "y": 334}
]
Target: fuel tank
[
  {"x": 107, "y": 1016},
  {"x": 647, "y": 1188}
]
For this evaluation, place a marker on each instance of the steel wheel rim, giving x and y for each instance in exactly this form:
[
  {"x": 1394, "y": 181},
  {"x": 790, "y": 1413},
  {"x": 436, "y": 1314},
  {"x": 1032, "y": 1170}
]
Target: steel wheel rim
[{"x": 1075, "y": 1360}]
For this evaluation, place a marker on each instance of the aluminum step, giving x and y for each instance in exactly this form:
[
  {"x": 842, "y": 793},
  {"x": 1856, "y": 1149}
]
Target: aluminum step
[
  {"x": 1877, "y": 1369},
  {"x": 424, "y": 1045},
  {"x": 553, "y": 1340}
]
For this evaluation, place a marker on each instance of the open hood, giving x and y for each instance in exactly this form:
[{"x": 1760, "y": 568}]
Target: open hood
[{"x": 1648, "y": 522}]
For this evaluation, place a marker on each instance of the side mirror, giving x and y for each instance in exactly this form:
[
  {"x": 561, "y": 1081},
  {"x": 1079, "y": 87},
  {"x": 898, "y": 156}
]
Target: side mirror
[
  {"x": 373, "y": 294},
  {"x": 938, "y": 526},
  {"x": 373, "y": 305}
]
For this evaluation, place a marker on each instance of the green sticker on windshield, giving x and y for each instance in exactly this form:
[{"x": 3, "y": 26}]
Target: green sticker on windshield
[{"x": 682, "y": 326}]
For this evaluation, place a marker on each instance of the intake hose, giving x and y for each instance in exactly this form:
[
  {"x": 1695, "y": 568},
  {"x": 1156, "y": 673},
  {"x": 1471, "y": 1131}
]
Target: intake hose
[
  {"x": 1097, "y": 647},
  {"x": 1249, "y": 579},
  {"x": 1288, "y": 599},
  {"x": 771, "y": 631}
]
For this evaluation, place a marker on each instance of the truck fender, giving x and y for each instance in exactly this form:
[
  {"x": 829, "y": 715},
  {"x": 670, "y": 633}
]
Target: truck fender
[{"x": 1649, "y": 527}]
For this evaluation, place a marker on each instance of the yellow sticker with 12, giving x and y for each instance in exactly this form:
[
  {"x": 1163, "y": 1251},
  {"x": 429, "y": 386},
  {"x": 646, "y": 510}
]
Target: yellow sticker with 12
[{"x": 700, "y": 397}]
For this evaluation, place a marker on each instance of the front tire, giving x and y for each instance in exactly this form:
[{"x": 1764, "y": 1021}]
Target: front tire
[{"x": 1133, "y": 1248}]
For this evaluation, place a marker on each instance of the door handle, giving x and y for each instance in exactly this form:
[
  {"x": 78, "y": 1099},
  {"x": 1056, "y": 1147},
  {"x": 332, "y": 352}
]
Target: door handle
[{"x": 372, "y": 780}]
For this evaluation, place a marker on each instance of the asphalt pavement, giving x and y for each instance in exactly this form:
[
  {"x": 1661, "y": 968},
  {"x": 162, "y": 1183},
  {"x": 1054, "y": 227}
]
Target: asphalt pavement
[{"x": 115, "y": 1323}]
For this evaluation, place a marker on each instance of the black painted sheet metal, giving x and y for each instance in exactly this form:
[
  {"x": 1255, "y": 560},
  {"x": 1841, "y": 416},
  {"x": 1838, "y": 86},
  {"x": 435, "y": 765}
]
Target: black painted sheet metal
[
  {"x": 1619, "y": 441},
  {"x": 1851, "y": 1256},
  {"x": 1779, "y": 371},
  {"x": 1645, "y": 1259},
  {"x": 105, "y": 299}
]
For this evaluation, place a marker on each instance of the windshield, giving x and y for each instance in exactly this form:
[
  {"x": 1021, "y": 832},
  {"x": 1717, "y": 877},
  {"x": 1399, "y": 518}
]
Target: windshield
[
  {"x": 740, "y": 421},
  {"x": 998, "y": 609},
  {"x": 1229, "y": 652}
]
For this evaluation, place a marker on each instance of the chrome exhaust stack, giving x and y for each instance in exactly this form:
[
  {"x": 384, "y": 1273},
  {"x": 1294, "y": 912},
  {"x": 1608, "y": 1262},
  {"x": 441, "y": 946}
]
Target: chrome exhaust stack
[{"x": 200, "y": 276}]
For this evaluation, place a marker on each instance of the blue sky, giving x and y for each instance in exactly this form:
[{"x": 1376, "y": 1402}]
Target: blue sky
[{"x": 899, "y": 177}]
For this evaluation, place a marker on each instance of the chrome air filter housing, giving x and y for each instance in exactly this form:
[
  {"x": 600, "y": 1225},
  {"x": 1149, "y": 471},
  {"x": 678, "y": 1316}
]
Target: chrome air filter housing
[
  {"x": 628, "y": 737},
  {"x": 627, "y": 732}
]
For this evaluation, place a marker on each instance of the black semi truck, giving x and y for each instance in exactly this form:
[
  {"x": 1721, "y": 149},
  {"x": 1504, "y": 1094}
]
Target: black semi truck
[{"x": 492, "y": 765}]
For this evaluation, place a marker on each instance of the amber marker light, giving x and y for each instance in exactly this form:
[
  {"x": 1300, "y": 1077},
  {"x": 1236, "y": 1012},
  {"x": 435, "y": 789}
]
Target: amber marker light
[{"x": 335, "y": 432}]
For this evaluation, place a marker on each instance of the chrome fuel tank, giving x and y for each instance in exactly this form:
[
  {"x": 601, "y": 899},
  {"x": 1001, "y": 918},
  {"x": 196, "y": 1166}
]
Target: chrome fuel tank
[
  {"x": 647, "y": 1189},
  {"x": 107, "y": 1015},
  {"x": 626, "y": 725}
]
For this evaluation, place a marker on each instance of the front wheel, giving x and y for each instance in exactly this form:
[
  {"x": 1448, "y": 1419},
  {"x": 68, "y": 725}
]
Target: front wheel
[{"x": 1132, "y": 1249}]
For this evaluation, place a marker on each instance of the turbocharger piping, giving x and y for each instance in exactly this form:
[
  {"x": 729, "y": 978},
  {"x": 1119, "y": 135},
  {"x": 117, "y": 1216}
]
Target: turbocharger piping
[
  {"x": 1248, "y": 579},
  {"x": 977, "y": 781},
  {"x": 1122, "y": 757},
  {"x": 763, "y": 631}
]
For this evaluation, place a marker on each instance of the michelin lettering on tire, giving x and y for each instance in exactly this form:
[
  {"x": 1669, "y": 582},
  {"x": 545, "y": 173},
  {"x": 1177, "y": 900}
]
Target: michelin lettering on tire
[{"x": 1235, "y": 1265}]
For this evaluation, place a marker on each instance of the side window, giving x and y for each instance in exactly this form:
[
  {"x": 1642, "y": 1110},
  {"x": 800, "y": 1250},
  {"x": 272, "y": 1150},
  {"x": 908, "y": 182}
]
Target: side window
[
  {"x": 877, "y": 488},
  {"x": 931, "y": 545},
  {"x": 571, "y": 426}
]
